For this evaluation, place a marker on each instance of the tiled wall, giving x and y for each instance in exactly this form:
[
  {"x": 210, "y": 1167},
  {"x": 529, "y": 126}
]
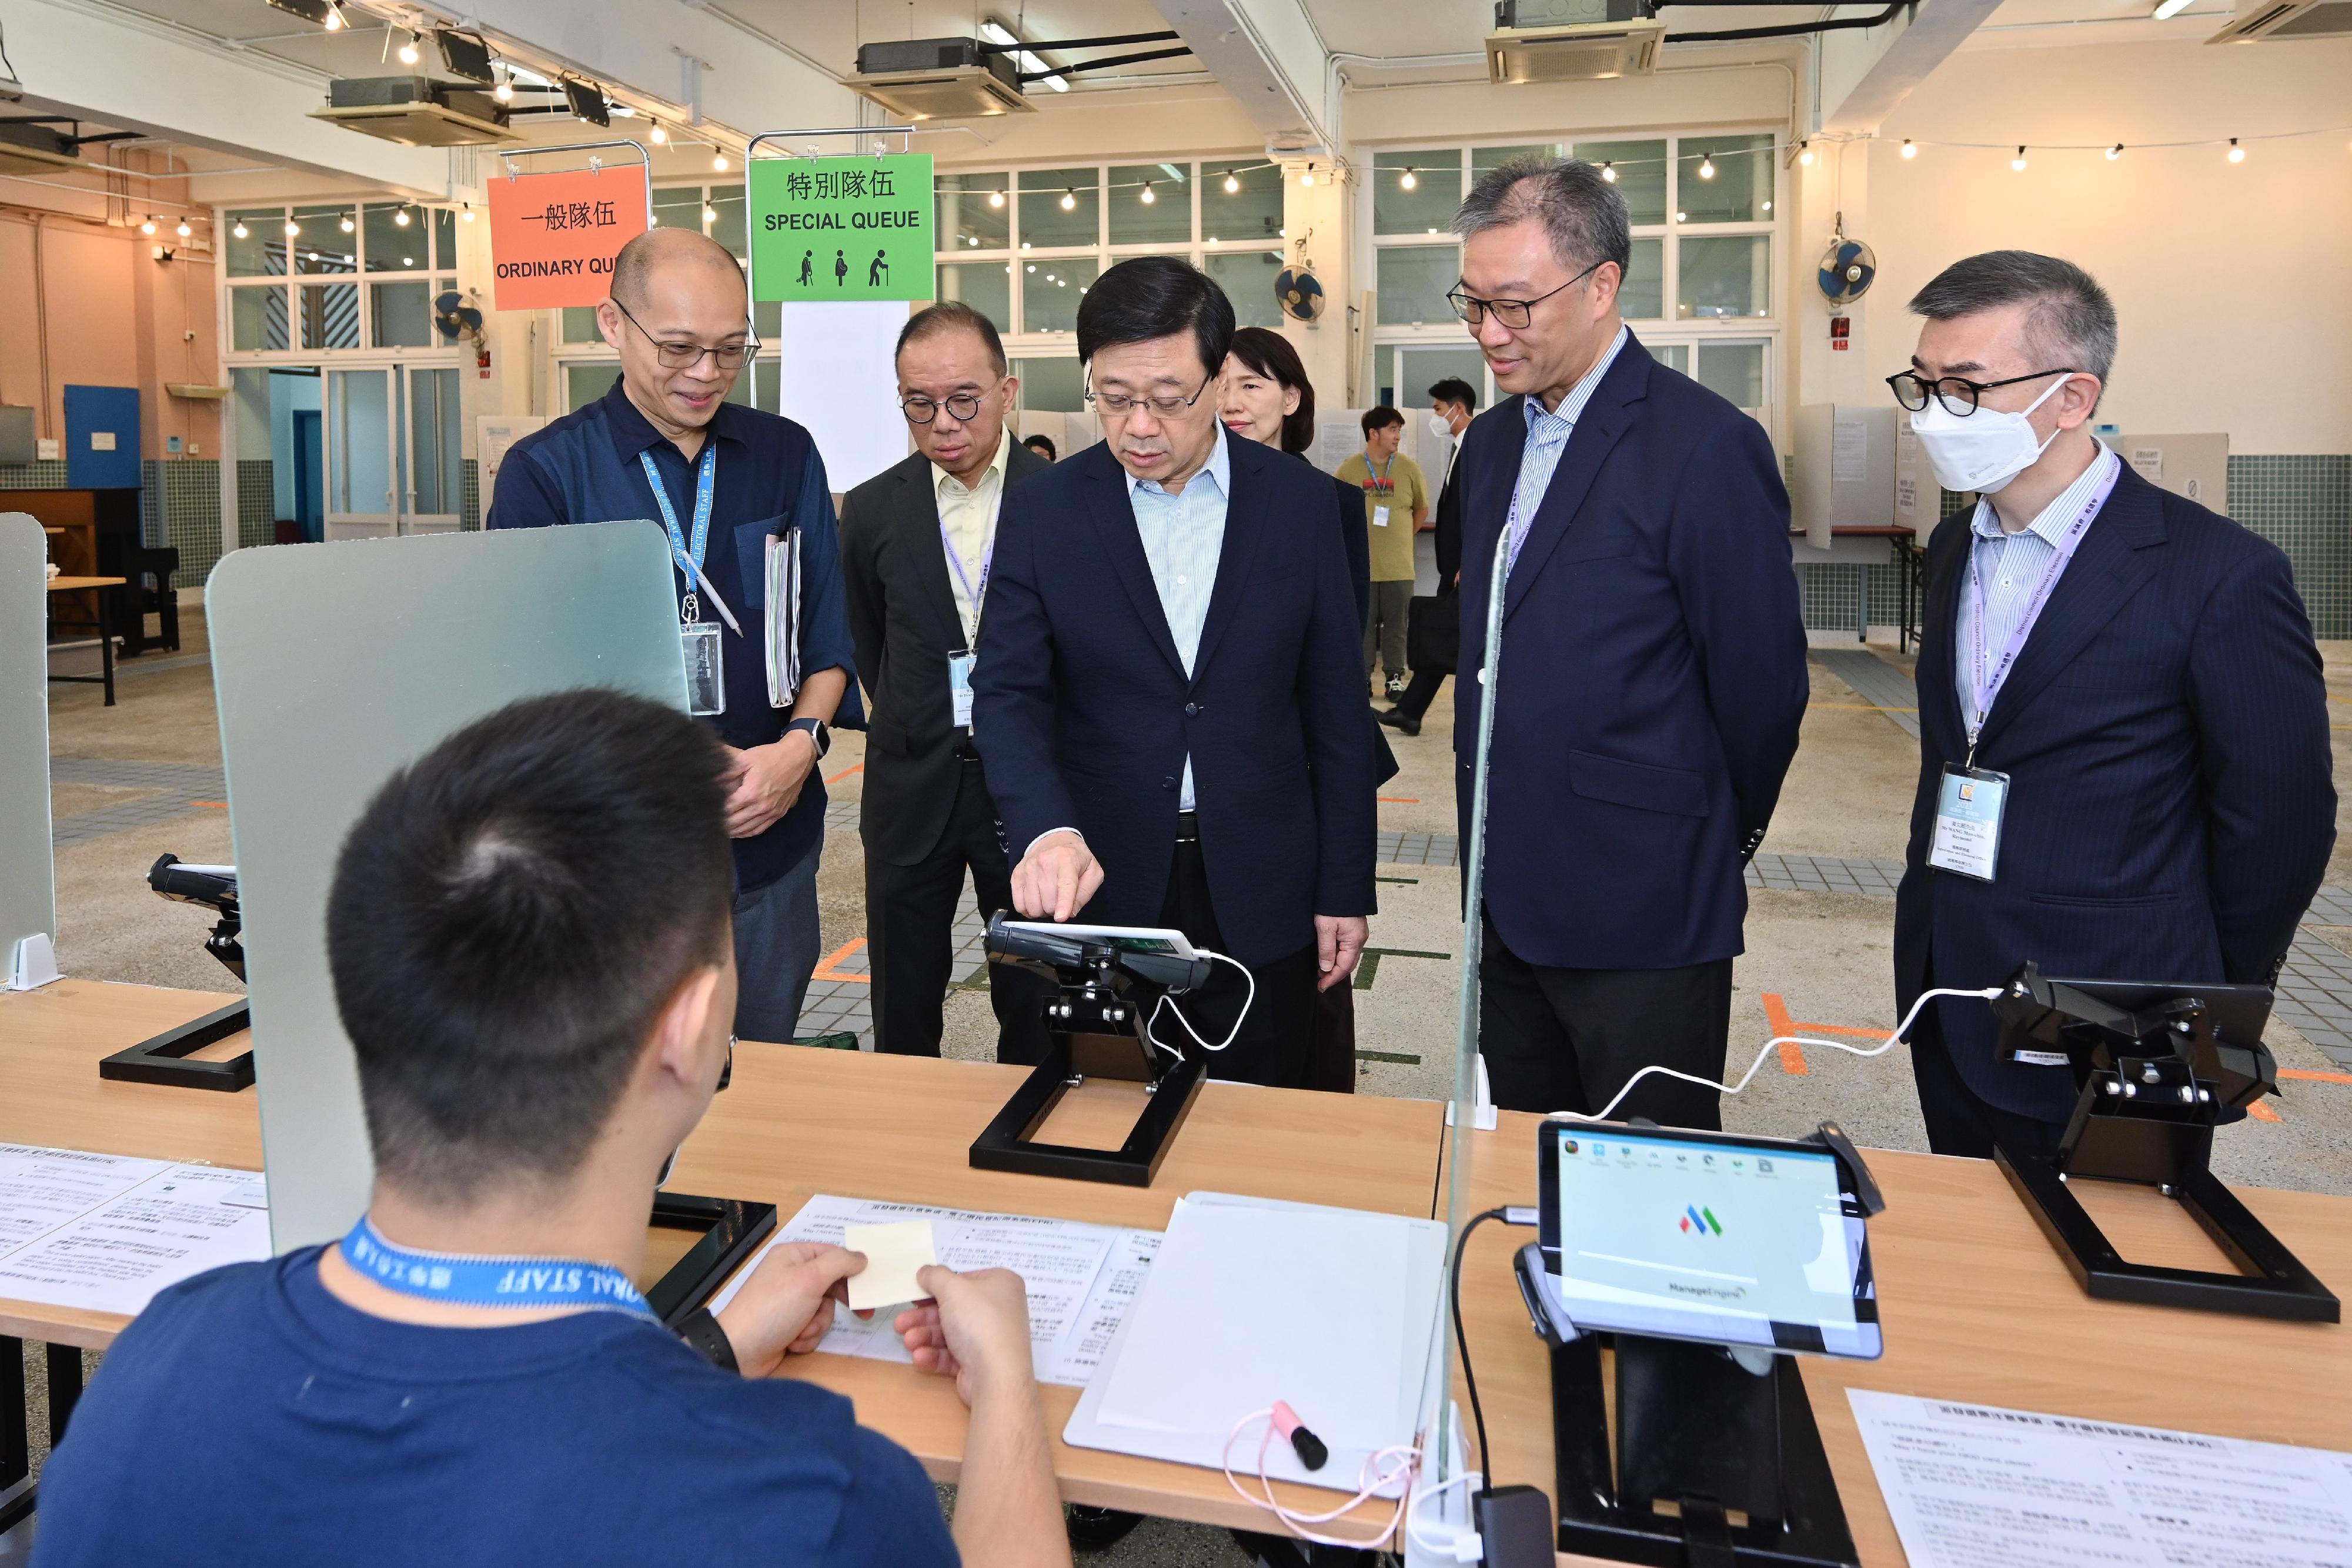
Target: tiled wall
[
  {"x": 180, "y": 504},
  {"x": 257, "y": 502},
  {"x": 469, "y": 516},
  {"x": 48, "y": 475}
]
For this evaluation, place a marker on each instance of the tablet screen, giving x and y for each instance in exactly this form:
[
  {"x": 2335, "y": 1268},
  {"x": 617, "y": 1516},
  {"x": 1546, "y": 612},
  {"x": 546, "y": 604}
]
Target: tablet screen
[{"x": 1690, "y": 1238}]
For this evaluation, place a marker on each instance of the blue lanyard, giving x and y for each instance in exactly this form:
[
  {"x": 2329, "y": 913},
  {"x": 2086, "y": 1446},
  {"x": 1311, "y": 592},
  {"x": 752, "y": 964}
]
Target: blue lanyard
[
  {"x": 704, "y": 473},
  {"x": 466, "y": 1280}
]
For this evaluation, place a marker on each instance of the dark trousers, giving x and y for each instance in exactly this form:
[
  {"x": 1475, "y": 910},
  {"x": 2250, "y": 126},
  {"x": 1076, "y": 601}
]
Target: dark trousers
[
  {"x": 1959, "y": 1121},
  {"x": 1568, "y": 1040},
  {"x": 1420, "y": 692},
  {"x": 910, "y": 914},
  {"x": 1275, "y": 1043}
]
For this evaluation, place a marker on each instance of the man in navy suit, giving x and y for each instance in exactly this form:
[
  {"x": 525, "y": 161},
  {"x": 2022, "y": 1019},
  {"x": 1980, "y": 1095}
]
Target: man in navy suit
[
  {"x": 1652, "y": 674},
  {"x": 2130, "y": 677},
  {"x": 1168, "y": 693}
]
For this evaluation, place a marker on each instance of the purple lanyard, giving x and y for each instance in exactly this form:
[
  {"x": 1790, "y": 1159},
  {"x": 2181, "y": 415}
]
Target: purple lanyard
[
  {"x": 1985, "y": 684},
  {"x": 987, "y": 558}
]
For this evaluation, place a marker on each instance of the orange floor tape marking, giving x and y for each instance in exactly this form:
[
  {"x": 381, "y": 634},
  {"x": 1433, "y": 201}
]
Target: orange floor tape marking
[
  {"x": 2315, "y": 1077},
  {"x": 2260, "y": 1112},
  {"x": 825, "y": 971},
  {"x": 1792, "y": 1055},
  {"x": 846, "y": 772}
]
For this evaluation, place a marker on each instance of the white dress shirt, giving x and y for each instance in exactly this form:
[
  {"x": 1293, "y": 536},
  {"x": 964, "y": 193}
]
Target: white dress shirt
[{"x": 968, "y": 524}]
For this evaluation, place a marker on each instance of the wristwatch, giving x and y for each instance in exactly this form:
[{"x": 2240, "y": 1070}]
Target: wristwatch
[
  {"x": 819, "y": 732},
  {"x": 701, "y": 1331}
]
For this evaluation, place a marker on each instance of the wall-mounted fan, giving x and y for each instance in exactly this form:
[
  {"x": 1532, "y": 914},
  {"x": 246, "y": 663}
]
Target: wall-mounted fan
[
  {"x": 456, "y": 319},
  {"x": 1296, "y": 288},
  {"x": 1847, "y": 268}
]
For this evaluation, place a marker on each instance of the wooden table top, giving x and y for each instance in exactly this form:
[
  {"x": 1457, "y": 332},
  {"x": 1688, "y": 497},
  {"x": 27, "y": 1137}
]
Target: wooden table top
[
  {"x": 1976, "y": 1305},
  {"x": 794, "y": 1123},
  {"x": 68, "y": 584}
]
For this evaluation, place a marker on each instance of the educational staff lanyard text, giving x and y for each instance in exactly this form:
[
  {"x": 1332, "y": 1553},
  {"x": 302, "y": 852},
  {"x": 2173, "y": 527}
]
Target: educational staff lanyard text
[
  {"x": 517, "y": 1284},
  {"x": 1985, "y": 684},
  {"x": 689, "y": 608}
]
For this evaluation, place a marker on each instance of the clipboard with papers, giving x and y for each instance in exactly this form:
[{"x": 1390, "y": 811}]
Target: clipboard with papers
[{"x": 1251, "y": 1300}]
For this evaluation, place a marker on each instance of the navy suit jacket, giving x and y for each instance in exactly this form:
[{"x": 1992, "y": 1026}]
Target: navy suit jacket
[
  {"x": 2170, "y": 805},
  {"x": 1084, "y": 714},
  {"x": 1652, "y": 675}
]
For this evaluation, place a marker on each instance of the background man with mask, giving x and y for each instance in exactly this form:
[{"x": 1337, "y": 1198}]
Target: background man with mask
[
  {"x": 1652, "y": 673},
  {"x": 1168, "y": 692},
  {"x": 917, "y": 541},
  {"x": 1453, "y": 402},
  {"x": 724, "y": 479},
  {"x": 2123, "y": 760}
]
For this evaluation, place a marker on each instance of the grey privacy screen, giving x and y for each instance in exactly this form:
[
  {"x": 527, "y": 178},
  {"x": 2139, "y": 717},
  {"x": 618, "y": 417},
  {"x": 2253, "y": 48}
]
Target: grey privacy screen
[
  {"x": 27, "y": 888},
  {"x": 336, "y": 664}
]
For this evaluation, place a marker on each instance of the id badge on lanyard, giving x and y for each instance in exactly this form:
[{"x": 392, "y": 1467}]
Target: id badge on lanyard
[
  {"x": 1967, "y": 822},
  {"x": 960, "y": 663},
  {"x": 699, "y": 648}
]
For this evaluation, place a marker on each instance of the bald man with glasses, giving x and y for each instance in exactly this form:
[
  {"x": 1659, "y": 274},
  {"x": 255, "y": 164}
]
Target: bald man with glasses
[{"x": 724, "y": 480}]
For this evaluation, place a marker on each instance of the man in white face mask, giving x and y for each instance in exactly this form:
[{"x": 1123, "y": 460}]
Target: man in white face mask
[{"x": 2125, "y": 770}]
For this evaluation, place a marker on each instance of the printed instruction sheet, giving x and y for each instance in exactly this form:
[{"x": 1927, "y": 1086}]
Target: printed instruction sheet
[
  {"x": 1975, "y": 1485},
  {"x": 106, "y": 1232},
  {"x": 1081, "y": 1278}
]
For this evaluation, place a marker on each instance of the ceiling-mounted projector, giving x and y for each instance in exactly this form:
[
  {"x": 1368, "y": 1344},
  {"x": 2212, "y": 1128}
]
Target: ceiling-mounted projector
[
  {"x": 938, "y": 78},
  {"x": 1571, "y": 40}
]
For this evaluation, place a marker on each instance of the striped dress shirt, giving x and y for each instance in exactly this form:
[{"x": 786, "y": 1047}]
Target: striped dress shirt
[
  {"x": 2009, "y": 566},
  {"x": 1547, "y": 434},
  {"x": 1183, "y": 536}
]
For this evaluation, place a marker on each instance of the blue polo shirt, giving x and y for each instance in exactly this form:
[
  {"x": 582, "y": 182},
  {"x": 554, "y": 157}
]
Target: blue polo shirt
[
  {"x": 248, "y": 1417},
  {"x": 584, "y": 468}
]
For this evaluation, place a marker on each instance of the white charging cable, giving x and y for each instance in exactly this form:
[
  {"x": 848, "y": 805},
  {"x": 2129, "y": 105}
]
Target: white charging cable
[
  {"x": 1464, "y": 1545},
  {"x": 1770, "y": 1045},
  {"x": 1233, "y": 1034},
  {"x": 1381, "y": 1470}
]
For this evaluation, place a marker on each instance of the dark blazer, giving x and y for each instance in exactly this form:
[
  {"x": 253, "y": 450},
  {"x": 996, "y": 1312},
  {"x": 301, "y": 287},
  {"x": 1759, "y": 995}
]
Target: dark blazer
[
  {"x": 903, "y": 620},
  {"x": 1358, "y": 546},
  {"x": 1085, "y": 713},
  {"x": 2170, "y": 808},
  {"x": 1653, "y": 676},
  {"x": 1448, "y": 519}
]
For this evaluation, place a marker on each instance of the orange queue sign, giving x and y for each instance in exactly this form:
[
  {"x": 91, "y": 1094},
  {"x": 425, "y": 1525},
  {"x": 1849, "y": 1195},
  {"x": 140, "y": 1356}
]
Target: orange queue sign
[{"x": 553, "y": 236}]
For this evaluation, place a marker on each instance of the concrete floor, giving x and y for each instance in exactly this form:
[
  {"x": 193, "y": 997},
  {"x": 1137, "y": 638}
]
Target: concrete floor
[{"x": 1823, "y": 957}]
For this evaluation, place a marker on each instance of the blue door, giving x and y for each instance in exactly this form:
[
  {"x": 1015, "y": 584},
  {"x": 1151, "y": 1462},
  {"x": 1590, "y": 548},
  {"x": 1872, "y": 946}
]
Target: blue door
[
  {"x": 309, "y": 494},
  {"x": 102, "y": 438}
]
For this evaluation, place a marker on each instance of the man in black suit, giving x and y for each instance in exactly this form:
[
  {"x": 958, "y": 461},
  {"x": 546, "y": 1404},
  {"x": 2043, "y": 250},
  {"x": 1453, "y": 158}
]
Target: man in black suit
[
  {"x": 1169, "y": 693},
  {"x": 2124, "y": 759},
  {"x": 1653, "y": 676},
  {"x": 1453, "y": 403},
  {"x": 917, "y": 541}
]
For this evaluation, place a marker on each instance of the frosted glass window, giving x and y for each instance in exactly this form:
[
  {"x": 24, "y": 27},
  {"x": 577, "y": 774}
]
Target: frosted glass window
[
  {"x": 1725, "y": 276},
  {"x": 1417, "y": 192},
  {"x": 1413, "y": 280},
  {"x": 972, "y": 211},
  {"x": 1248, "y": 278}
]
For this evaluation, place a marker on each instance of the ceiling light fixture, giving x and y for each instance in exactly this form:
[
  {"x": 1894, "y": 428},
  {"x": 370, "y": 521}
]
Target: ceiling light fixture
[
  {"x": 996, "y": 32},
  {"x": 1609, "y": 172},
  {"x": 1706, "y": 167},
  {"x": 292, "y": 228},
  {"x": 996, "y": 198},
  {"x": 408, "y": 55},
  {"x": 184, "y": 231},
  {"x": 466, "y": 211},
  {"x": 1409, "y": 180},
  {"x": 348, "y": 225},
  {"x": 659, "y": 135},
  {"x": 2018, "y": 162},
  {"x": 2168, "y": 9},
  {"x": 1681, "y": 218},
  {"x": 241, "y": 231},
  {"x": 1768, "y": 206},
  {"x": 408, "y": 261},
  {"x": 504, "y": 90},
  {"x": 710, "y": 213},
  {"x": 149, "y": 227},
  {"x": 334, "y": 21},
  {"x": 1909, "y": 150},
  {"x": 1309, "y": 177},
  {"x": 401, "y": 217},
  {"x": 1148, "y": 195},
  {"x": 1805, "y": 153},
  {"x": 2237, "y": 154},
  {"x": 719, "y": 161}
]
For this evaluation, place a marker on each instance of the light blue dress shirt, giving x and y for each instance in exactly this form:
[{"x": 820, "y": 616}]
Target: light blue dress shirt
[
  {"x": 1183, "y": 535},
  {"x": 1547, "y": 434},
  {"x": 2010, "y": 566}
]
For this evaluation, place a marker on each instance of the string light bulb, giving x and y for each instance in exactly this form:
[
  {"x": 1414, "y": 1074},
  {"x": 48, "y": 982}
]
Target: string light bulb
[
  {"x": 995, "y": 198},
  {"x": 401, "y": 217},
  {"x": 2018, "y": 162},
  {"x": 334, "y": 21},
  {"x": 2115, "y": 153},
  {"x": 347, "y": 224},
  {"x": 408, "y": 51},
  {"x": 149, "y": 227},
  {"x": 719, "y": 161},
  {"x": 1148, "y": 195},
  {"x": 658, "y": 135},
  {"x": 710, "y": 213},
  {"x": 1410, "y": 180},
  {"x": 504, "y": 90},
  {"x": 1706, "y": 168},
  {"x": 1233, "y": 185},
  {"x": 1909, "y": 150},
  {"x": 292, "y": 228},
  {"x": 466, "y": 211},
  {"x": 2237, "y": 155},
  {"x": 241, "y": 231},
  {"x": 1070, "y": 200},
  {"x": 1609, "y": 172},
  {"x": 1307, "y": 178},
  {"x": 184, "y": 231},
  {"x": 1805, "y": 153}
]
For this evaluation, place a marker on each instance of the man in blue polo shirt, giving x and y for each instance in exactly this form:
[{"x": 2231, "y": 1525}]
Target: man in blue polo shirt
[{"x": 731, "y": 479}]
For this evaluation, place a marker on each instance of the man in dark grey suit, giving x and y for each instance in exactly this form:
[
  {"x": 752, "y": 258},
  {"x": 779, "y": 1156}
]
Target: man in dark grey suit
[{"x": 918, "y": 540}]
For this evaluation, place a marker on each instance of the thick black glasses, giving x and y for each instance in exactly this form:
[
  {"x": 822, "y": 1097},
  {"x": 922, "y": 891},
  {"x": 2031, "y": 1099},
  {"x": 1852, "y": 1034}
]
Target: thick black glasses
[
  {"x": 1957, "y": 393},
  {"x": 1166, "y": 407},
  {"x": 963, "y": 407},
  {"x": 679, "y": 356},
  {"x": 1512, "y": 313}
]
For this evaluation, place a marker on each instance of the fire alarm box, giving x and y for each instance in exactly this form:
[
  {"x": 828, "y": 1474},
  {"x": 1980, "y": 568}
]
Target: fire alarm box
[{"x": 1841, "y": 333}]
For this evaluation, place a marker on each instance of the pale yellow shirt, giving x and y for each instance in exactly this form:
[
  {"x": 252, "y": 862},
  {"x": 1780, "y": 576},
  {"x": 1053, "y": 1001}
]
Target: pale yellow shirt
[{"x": 968, "y": 514}]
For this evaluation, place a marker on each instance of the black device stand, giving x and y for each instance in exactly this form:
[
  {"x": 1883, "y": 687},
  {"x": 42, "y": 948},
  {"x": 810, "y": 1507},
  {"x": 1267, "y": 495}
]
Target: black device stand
[
  {"x": 731, "y": 1231},
  {"x": 1004, "y": 1145},
  {"x": 161, "y": 1058},
  {"x": 1734, "y": 1455}
]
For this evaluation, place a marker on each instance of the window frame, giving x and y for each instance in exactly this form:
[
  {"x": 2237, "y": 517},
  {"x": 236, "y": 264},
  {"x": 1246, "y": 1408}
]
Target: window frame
[{"x": 441, "y": 270}]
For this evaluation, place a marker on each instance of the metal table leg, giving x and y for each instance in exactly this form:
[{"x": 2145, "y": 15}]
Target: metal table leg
[
  {"x": 64, "y": 1387},
  {"x": 106, "y": 644},
  {"x": 16, "y": 1435}
]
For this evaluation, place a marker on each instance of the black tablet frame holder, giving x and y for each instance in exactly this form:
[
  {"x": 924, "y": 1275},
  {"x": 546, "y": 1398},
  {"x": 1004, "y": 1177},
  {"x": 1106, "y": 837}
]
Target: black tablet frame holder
[
  {"x": 161, "y": 1059},
  {"x": 731, "y": 1231}
]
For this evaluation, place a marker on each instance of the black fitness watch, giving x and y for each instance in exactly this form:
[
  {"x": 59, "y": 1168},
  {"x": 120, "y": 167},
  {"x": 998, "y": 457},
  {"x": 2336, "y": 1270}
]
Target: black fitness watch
[
  {"x": 819, "y": 732},
  {"x": 701, "y": 1331}
]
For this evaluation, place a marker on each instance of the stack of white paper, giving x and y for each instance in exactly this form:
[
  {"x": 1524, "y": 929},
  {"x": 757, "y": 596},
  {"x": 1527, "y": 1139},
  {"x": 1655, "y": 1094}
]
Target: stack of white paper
[{"x": 106, "y": 1232}]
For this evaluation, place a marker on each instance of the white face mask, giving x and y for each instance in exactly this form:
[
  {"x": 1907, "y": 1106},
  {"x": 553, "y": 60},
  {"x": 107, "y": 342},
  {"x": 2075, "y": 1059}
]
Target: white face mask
[
  {"x": 1982, "y": 451},
  {"x": 1440, "y": 427}
]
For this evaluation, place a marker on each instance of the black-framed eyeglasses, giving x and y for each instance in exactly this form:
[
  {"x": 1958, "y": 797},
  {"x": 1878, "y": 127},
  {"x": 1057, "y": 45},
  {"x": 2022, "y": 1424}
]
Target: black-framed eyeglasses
[
  {"x": 680, "y": 356},
  {"x": 1165, "y": 407},
  {"x": 1957, "y": 393},
  {"x": 1512, "y": 313},
  {"x": 963, "y": 407}
]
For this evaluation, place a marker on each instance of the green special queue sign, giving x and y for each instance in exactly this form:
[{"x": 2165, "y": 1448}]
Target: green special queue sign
[{"x": 842, "y": 228}]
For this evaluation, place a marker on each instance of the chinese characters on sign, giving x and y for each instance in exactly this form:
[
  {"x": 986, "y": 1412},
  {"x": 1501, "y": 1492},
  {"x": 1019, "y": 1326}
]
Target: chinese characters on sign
[
  {"x": 553, "y": 236},
  {"x": 841, "y": 228}
]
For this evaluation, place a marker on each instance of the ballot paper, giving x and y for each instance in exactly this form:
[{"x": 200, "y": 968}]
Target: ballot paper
[
  {"x": 1081, "y": 1278},
  {"x": 895, "y": 1254},
  {"x": 133, "y": 1236},
  {"x": 1975, "y": 1485}
]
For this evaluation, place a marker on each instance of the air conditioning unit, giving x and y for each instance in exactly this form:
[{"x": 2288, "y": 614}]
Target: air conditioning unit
[
  {"x": 938, "y": 78},
  {"x": 417, "y": 111},
  {"x": 36, "y": 150},
  {"x": 2287, "y": 21},
  {"x": 1571, "y": 40}
]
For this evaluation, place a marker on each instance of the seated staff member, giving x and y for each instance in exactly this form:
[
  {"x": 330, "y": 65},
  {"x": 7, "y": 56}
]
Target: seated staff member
[
  {"x": 731, "y": 479},
  {"x": 916, "y": 540},
  {"x": 2126, "y": 678},
  {"x": 1167, "y": 693},
  {"x": 1265, "y": 396},
  {"x": 522, "y": 1097},
  {"x": 1396, "y": 503}
]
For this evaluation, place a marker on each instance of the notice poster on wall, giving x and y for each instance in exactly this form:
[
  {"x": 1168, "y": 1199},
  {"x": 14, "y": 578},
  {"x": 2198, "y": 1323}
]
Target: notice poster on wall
[
  {"x": 839, "y": 229},
  {"x": 553, "y": 236}
]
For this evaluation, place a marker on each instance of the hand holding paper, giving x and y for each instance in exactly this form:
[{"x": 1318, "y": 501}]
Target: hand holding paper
[{"x": 893, "y": 1255}]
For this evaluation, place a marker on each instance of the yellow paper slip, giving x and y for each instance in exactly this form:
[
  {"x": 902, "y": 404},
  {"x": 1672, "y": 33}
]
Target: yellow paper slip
[{"x": 893, "y": 1254}]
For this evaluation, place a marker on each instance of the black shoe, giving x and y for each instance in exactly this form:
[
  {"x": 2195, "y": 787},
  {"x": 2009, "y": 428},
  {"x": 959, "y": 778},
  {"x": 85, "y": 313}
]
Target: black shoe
[
  {"x": 1098, "y": 1528},
  {"x": 1396, "y": 719}
]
